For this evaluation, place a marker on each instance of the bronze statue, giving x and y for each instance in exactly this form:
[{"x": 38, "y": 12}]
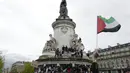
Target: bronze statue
[{"x": 63, "y": 9}]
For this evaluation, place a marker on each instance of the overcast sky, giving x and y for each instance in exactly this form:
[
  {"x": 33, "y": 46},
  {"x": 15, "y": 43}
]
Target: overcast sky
[{"x": 26, "y": 24}]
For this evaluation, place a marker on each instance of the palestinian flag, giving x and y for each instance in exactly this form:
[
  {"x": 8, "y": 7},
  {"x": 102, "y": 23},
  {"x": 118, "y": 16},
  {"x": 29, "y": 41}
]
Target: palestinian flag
[{"x": 107, "y": 25}]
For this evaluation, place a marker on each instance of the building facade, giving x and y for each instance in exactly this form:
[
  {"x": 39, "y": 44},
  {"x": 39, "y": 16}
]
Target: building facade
[
  {"x": 17, "y": 66},
  {"x": 114, "y": 59}
]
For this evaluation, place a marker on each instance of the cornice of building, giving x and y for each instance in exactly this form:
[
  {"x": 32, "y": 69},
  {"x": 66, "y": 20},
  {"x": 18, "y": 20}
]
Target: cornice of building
[{"x": 121, "y": 46}]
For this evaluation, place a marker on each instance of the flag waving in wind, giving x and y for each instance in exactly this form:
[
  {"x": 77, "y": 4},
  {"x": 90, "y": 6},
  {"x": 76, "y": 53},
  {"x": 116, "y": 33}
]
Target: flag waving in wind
[{"x": 107, "y": 25}]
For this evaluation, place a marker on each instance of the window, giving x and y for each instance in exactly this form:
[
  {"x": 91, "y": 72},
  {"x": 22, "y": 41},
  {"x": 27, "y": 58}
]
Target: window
[
  {"x": 122, "y": 54},
  {"x": 108, "y": 64},
  {"x": 101, "y": 65},
  {"x": 122, "y": 63},
  {"x": 117, "y": 63},
  {"x": 127, "y": 63},
  {"x": 118, "y": 50},
  {"x": 126, "y": 49},
  {"x": 104, "y": 65},
  {"x": 112, "y": 64},
  {"x": 122, "y": 49},
  {"x": 105, "y": 53},
  {"x": 128, "y": 53}
]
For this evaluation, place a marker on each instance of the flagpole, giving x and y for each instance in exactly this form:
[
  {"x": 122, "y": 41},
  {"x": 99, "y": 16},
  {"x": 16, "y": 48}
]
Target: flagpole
[
  {"x": 96, "y": 40},
  {"x": 97, "y": 34}
]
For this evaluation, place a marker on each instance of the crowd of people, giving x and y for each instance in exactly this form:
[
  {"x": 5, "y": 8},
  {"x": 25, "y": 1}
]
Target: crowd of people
[
  {"x": 67, "y": 68},
  {"x": 73, "y": 51}
]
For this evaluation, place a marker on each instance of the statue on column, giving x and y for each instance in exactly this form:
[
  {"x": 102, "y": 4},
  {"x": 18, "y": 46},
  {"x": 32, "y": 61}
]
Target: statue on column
[
  {"x": 51, "y": 44},
  {"x": 53, "y": 41},
  {"x": 76, "y": 43},
  {"x": 63, "y": 9},
  {"x": 80, "y": 45},
  {"x": 47, "y": 46},
  {"x": 73, "y": 42}
]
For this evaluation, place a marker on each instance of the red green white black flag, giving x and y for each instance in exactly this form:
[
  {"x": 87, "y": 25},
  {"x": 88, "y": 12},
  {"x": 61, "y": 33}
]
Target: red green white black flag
[{"x": 107, "y": 25}]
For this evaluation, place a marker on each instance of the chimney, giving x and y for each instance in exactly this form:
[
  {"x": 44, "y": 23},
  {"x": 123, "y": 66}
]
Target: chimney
[
  {"x": 109, "y": 46},
  {"x": 118, "y": 44}
]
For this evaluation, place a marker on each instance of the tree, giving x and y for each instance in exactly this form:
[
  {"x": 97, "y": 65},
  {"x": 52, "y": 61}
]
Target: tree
[
  {"x": 13, "y": 70},
  {"x": 28, "y": 68},
  {"x": 1, "y": 62}
]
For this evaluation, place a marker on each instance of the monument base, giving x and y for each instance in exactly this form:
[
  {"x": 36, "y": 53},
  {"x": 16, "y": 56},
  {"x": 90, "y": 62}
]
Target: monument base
[{"x": 64, "y": 61}]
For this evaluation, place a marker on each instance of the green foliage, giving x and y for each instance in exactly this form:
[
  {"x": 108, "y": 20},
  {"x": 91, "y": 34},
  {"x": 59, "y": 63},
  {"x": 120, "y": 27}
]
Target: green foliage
[
  {"x": 28, "y": 68},
  {"x": 14, "y": 70},
  {"x": 1, "y": 63}
]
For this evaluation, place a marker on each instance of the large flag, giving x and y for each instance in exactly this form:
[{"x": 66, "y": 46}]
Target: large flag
[{"x": 107, "y": 25}]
